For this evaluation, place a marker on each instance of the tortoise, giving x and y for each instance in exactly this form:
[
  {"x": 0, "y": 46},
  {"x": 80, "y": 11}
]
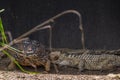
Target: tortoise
[{"x": 33, "y": 54}]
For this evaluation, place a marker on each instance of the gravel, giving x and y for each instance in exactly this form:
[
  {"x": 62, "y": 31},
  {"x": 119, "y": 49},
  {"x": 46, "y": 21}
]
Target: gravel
[{"x": 16, "y": 75}]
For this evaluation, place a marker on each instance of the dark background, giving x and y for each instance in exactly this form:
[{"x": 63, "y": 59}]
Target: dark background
[{"x": 101, "y": 21}]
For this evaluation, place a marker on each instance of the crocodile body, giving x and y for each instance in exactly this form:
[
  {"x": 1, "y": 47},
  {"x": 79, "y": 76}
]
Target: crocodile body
[
  {"x": 86, "y": 61},
  {"x": 34, "y": 54}
]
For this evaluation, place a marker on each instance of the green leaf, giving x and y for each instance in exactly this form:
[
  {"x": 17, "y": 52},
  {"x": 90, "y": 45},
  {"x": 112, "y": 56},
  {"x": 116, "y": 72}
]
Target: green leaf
[{"x": 4, "y": 39}]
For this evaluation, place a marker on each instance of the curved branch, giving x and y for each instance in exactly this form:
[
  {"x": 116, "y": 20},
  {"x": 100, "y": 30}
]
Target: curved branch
[{"x": 52, "y": 19}]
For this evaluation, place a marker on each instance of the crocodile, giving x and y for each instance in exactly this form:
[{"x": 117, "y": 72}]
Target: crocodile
[
  {"x": 33, "y": 54},
  {"x": 86, "y": 61}
]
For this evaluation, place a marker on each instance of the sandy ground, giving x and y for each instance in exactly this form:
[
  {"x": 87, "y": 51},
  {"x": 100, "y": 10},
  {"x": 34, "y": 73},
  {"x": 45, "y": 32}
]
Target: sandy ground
[{"x": 14, "y": 75}]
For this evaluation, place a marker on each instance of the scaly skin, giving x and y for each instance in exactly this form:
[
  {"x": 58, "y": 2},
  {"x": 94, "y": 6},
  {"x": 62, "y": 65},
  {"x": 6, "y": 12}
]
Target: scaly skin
[{"x": 86, "y": 61}]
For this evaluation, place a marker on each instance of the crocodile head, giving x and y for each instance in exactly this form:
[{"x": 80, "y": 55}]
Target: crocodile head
[{"x": 58, "y": 58}]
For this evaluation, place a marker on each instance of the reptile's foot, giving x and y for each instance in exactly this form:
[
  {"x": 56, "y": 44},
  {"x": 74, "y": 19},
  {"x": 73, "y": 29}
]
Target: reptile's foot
[
  {"x": 11, "y": 66},
  {"x": 57, "y": 71}
]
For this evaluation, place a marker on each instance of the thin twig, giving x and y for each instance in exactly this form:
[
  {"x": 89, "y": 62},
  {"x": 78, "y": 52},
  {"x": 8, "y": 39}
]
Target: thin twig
[
  {"x": 11, "y": 43},
  {"x": 38, "y": 27}
]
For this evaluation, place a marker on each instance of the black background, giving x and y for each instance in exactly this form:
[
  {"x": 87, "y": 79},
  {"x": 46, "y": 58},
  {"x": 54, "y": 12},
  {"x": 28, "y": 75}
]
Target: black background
[{"x": 101, "y": 21}]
